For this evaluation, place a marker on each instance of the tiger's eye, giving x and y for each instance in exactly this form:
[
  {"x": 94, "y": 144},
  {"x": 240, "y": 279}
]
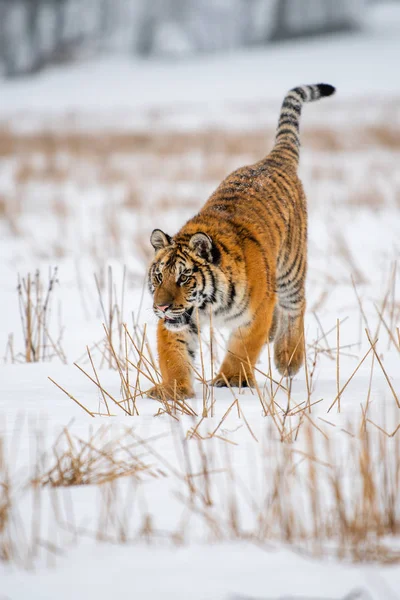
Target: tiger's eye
[{"x": 183, "y": 278}]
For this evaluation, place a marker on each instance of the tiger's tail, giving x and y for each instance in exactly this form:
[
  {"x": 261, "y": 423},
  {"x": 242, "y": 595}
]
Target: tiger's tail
[{"x": 287, "y": 139}]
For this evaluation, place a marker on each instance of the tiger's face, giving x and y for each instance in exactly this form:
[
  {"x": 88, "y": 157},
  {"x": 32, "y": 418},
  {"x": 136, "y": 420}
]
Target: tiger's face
[{"x": 182, "y": 277}]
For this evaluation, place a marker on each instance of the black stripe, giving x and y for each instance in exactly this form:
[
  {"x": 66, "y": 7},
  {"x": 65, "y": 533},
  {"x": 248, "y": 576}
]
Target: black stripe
[
  {"x": 231, "y": 298},
  {"x": 291, "y": 102},
  {"x": 193, "y": 327},
  {"x": 237, "y": 314},
  {"x": 288, "y": 119},
  {"x": 289, "y": 274},
  {"x": 297, "y": 291},
  {"x": 212, "y": 298},
  {"x": 285, "y": 146},
  {"x": 300, "y": 91},
  {"x": 203, "y": 280}
]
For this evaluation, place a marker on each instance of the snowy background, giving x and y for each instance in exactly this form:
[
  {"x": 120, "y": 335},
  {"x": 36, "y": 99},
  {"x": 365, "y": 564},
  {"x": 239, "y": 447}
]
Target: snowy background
[{"x": 126, "y": 121}]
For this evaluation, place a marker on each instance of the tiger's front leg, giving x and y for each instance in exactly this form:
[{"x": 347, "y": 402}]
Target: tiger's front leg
[
  {"x": 245, "y": 345},
  {"x": 175, "y": 352}
]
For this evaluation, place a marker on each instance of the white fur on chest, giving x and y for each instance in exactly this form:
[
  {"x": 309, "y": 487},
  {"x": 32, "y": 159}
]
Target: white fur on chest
[{"x": 226, "y": 320}]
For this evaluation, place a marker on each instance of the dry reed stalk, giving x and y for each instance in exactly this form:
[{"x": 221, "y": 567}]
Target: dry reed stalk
[
  {"x": 345, "y": 252},
  {"x": 390, "y": 334},
  {"x": 324, "y": 336},
  {"x": 293, "y": 412},
  {"x": 318, "y": 304},
  {"x": 113, "y": 519},
  {"x": 383, "y": 369},
  {"x": 234, "y": 403},
  {"x": 98, "y": 381},
  {"x": 360, "y": 303},
  {"x": 353, "y": 373},
  {"x": 153, "y": 374},
  {"x": 137, "y": 382},
  {"x": 113, "y": 317},
  {"x": 365, "y": 409},
  {"x": 271, "y": 380},
  {"x": 125, "y": 391},
  {"x": 212, "y": 399},
  {"x": 306, "y": 374},
  {"x": 241, "y": 415},
  {"x": 385, "y": 299},
  {"x": 103, "y": 390},
  {"x": 9, "y": 353},
  {"x": 193, "y": 431},
  {"x": 269, "y": 407},
  {"x": 72, "y": 397},
  {"x": 311, "y": 372},
  {"x": 202, "y": 375},
  {"x": 326, "y": 333},
  {"x": 313, "y": 489},
  {"x": 386, "y": 433},
  {"x": 304, "y": 416},
  {"x": 271, "y": 391}
]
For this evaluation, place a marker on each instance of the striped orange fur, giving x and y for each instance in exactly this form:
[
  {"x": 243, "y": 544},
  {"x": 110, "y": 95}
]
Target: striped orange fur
[{"x": 244, "y": 258}]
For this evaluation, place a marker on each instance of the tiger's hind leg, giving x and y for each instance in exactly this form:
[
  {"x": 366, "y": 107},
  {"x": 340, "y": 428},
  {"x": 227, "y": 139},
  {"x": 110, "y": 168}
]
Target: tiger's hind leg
[
  {"x": 274, "y": 325},
  {"x": 289, "y": 343},
  {"x": 290, "y": 287},
  {"x": 245, "y": 345}
]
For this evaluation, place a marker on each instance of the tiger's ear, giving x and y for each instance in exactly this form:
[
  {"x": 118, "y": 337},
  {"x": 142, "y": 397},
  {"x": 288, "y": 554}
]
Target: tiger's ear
[
  {"x": 159, "y": 239},
  {"x": 202, "y": 244}
]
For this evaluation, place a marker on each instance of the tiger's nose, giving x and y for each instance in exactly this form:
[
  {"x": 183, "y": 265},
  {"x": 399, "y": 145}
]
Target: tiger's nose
[{"x": 163, "y": 307}]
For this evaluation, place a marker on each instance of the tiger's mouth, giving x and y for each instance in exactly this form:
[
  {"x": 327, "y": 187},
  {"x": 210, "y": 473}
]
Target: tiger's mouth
[{"x": 178, "y": 321}]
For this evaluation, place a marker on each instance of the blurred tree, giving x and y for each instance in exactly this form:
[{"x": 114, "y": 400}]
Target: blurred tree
[
  {"x": 34, "y": 33},
  {"x": 32, "y": 28},
  {"x": 59, "y": 13}
]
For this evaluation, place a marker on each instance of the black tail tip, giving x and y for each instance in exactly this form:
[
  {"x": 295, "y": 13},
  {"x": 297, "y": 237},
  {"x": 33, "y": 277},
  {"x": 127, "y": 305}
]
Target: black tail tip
[{"x": 325, "y": 89}]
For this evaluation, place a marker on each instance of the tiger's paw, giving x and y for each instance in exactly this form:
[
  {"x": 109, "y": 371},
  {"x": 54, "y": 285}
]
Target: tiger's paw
[
  {"x": 170, "y": 392},
  {"x": 288, "y": 364},
  {"x": 238, "y": 380}
]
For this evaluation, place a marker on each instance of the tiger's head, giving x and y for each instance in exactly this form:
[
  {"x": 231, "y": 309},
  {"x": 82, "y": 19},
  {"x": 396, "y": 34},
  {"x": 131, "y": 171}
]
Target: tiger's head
[{"x": 182, "y": 276}]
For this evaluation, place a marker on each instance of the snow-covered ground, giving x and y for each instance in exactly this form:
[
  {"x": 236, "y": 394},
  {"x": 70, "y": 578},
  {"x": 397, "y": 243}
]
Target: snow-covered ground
[{"x": 93, "y": 156}]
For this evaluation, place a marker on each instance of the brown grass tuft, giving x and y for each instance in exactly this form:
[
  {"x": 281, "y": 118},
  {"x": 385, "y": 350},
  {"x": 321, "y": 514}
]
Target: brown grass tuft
[
  {"x": 99, "y": 459},
  {"x": 35, "y": 305}
]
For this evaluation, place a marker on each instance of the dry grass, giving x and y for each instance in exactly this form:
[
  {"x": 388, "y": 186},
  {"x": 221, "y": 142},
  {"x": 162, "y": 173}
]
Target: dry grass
[
  {"x": 35, "y": 299},
  {"x": 128, "y": 351},
  {"x": 136, "y": 370},
  {"x": 333, "y": 496},
  {"x": 319, "y": 500},
  {"x": 6, "y": 541},
  {"x": 165, "y": 143},
  {"x": 94, "y": 461},
  {"x": 130, "y": 175}
]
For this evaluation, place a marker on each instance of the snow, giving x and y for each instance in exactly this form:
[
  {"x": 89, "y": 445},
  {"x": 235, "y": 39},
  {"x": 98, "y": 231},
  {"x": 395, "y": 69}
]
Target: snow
[
  {"x": 220, "y": 572},
  {"x": 232, "y": 92}
]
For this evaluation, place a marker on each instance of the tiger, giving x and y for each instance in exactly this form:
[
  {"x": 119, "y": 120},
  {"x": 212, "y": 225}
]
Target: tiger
[{"x": 242, "y": 261}]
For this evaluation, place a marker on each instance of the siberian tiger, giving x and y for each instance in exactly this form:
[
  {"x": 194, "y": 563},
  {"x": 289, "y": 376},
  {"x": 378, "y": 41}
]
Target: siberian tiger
[{"x": 244, "y": 258}]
